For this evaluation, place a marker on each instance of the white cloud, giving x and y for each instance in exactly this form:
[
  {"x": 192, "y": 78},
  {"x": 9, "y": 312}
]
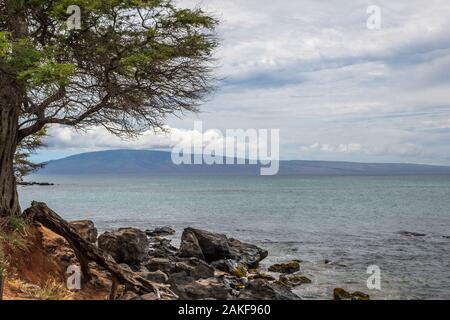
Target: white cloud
[{"x": 313, "y": 70}]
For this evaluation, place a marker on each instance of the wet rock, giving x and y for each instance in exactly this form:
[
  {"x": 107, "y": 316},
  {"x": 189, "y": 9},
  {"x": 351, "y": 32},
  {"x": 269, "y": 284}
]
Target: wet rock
[
  {"x": 293, "y": 281},
  {"x": 204, "y": 245},
  {"x": 357, "y": 295},
  {"x": 86, "y": 229},
  {"x": 190, "y": 247},
  {"x": 288, "y": 267},
  {"x": 126, "y": 245},
  {"x": 341, "y": 294},
  {"x": 411, "y": 234},
  {"x": 260, "y": 275},
  {"x": 195, "y": 268},
  {"x": 247, "y": 253},
  {"x": 160, "y": 232},
  {"x": 155, "y": 276},
  {"x": 263, "y": 290},
  {"x": 160, "y": 247},
  {"x": 232, "y": 267},
  {"x": 166, "y": 265},
  {"x": 212, "y": 247},
  {"x": 201, "y": 289},
  {"x": 225, "y": 265},
  {"x": 234, "y": 283}
]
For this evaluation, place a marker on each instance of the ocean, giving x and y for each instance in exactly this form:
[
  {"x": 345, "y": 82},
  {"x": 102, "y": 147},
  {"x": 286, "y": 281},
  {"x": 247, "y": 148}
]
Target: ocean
[{"x": 353, "y": 222}]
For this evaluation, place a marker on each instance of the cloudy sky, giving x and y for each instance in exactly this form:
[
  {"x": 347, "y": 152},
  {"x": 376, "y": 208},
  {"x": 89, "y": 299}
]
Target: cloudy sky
[{"x": 336, "y": 89}]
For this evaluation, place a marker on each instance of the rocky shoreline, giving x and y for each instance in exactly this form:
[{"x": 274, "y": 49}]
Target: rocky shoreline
[
  {"x": 33, "y": 183},
  {"x": 206, "y": 265}
]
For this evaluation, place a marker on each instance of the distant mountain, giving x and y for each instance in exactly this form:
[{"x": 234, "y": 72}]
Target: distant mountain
[{"x": 143, "y": 162}]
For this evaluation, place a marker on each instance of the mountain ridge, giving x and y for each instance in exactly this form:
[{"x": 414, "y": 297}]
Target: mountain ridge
[{"x": 151, "y": 162}]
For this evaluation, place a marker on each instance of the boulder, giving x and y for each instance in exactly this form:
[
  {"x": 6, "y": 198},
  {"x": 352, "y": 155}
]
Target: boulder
[
  {"x": 162, "y": 248},
  {"x": 260, "y": 289},
  {"x": 195, "y": 268},
  {"x": 160, "y": 232},
  {"x": 86, "y": 229},
  {"x": 288, "y": 267},
  {"x": 261, "y": 275},
  {"x": 190, "y": 247},
  {"x": 212, "y": 247},
  {"x": 341, "y": 294},
  {"x": 357, "y": 295},
  {"x": 166, "y": 265},
  {"x": 201, "y": 289},
  {"x": 247, "y": 253},
  {"x": 232, "y": 267},
  {"x": 293, "y": 281},
  {"x": 155, "y": 276},
  {"x": 126, "y": 245},
  {"x": 411, "y": 234}
]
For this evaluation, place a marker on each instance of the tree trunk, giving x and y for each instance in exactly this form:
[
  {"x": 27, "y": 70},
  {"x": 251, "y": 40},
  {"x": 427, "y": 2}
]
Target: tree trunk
[{"x": 9, "y": 109}]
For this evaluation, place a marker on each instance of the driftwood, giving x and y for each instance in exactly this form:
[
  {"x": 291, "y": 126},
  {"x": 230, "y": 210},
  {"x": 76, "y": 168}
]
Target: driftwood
[{"x": 87, "y": 252}]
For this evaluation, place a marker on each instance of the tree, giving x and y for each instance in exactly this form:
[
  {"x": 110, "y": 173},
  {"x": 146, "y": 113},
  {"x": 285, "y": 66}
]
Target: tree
[
  {"x": 130, "y": 65},
  {"x": 23, "y": 166}
]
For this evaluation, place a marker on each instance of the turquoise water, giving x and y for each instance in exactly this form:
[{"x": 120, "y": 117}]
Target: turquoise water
[{"x": 352, "y": 221}]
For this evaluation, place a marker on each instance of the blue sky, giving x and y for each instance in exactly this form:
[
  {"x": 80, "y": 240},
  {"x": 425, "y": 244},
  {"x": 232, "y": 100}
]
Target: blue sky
[{"x": 334, "y": 88}]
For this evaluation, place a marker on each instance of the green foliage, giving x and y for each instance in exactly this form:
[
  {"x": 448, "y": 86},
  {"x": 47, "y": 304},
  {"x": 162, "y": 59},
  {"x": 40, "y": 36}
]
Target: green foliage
[
  {"x": 47, "y": 73},
  {"x": 12, "y": 239},
  {"x": 22, "y": 165},
  {"x": 18, "y": 224},
  {"x": 5, "y": 45}
]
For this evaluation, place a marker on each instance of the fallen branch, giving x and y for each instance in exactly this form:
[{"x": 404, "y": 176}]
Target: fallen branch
[{"x": 86, "y": 252}]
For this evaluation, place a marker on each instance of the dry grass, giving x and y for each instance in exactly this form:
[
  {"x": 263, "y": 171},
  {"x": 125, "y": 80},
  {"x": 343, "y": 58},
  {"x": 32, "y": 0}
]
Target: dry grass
[{"x": 52, "y": 290}]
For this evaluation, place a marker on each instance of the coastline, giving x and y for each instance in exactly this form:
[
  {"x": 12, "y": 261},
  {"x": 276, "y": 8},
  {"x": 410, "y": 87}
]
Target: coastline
[{"x": 206, "y": 265}]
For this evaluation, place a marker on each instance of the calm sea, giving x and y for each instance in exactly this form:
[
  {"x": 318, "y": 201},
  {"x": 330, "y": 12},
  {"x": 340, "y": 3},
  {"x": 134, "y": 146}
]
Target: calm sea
[{"x": 351, "y": 221}]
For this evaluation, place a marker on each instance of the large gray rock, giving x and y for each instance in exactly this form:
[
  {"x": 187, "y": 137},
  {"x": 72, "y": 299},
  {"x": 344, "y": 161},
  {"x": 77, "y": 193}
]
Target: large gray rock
[
  {"x": 162, "y": 248},
  {"x": 261, "y": 289},
  {"x": 86, "y": 229},
  {"x": 155, "y": 276},
  {"x": 166, "y": 265},
  {"x": 212, "y": 247},
  {"x": 126, "y": 245},
  {"x": 247, "y": 253},
  {"x": 190, "y": 246},
  {"x": 203, "y": 289},
  {"x": 195, "y": 268}
]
